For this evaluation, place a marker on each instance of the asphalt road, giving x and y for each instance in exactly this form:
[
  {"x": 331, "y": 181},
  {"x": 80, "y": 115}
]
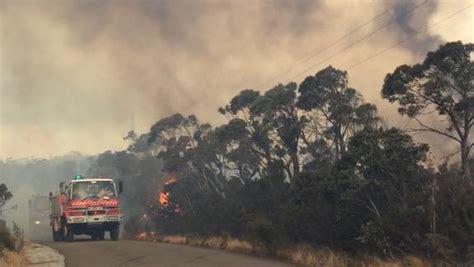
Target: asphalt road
[{"x": 135, "y": 253}]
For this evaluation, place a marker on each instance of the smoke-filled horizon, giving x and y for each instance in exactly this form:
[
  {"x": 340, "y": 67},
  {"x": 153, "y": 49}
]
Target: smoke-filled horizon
[{"x": 78, "y": 75}]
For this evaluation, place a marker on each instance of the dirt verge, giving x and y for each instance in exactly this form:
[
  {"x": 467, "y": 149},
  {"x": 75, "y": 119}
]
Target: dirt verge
[{"x": 33, "y": 255}]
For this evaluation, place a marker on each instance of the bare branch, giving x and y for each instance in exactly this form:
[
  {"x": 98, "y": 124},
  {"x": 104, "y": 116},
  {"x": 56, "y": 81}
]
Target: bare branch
[
  {"x": 437, "y": 131},
  {"x": 451, "y": 154}
]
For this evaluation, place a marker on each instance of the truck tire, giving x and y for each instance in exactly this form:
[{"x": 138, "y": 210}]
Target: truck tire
[
  {"x": 56, "y": 235},
  {"x": 68, "y": 234},
  {"x": 101, "y": 235},
  {"x": 114, "y": 232},
  {"x": 98, "y": 235}
]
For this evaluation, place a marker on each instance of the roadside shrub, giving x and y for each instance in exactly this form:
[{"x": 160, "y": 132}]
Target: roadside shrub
[
  {"x": 214, "y": 242},
  {"x": 237, "y": 245},
  {"x": 6, "y": 239}
]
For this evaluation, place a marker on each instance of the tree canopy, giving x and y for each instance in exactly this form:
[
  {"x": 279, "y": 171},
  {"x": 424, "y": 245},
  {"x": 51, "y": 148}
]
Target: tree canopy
[{"x": 443, "y": 83}]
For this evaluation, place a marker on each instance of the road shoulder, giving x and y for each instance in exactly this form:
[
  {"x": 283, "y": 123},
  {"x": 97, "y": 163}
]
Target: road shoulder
[{"x": 42, "y": 256}]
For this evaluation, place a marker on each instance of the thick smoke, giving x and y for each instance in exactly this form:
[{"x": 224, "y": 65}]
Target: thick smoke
[
  {"x": 74, "y": 73},
  {"x": 411, "y": 20}
]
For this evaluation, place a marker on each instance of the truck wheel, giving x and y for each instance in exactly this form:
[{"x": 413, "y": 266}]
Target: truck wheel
[
  {"x": 101, "y": 235},
  {"x": 98, "y": 235},
  {"x": 56, "y": 235},
  {"x": 68, "y": 234},
  {"x": 114, "y": 232}
]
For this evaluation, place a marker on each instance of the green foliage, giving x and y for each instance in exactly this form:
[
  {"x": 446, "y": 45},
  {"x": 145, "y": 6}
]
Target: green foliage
[
  {"x": 4, "y": 194},
  {"x": 388, "y": 168},
  {"x": 442, "y": 83},
  {"x": 455, "y": 225},
  {"x": 337, "y": 109}
]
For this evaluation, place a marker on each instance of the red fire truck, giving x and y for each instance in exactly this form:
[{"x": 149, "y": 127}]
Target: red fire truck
[{"x": 86, "y": 207}]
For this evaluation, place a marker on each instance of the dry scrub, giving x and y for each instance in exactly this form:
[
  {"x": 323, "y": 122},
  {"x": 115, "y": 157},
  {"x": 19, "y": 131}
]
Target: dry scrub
[
  {"x": 214, "y": 242},
  {"x": 174, "y": 239},
  {"x": 302, "y": 255},
  {"x": 12, "y": 259},
  {"x": 240, "y": 246},
  {"x": 308, "y": 256}
]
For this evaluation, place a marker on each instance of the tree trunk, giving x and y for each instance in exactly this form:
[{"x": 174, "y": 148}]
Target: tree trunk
[
  {"x": 296, "y": 165},
  {"x": 466, "y": 170},
  {"x": 339, "y": 142},
  {"x": 433, "y": 203}
]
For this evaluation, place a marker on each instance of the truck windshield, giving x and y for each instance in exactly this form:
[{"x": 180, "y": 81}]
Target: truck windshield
[{"x": 93, "y": 189}]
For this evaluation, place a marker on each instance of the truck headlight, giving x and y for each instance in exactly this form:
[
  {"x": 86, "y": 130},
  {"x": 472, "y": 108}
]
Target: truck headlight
[{"x": 37, "y": 222}]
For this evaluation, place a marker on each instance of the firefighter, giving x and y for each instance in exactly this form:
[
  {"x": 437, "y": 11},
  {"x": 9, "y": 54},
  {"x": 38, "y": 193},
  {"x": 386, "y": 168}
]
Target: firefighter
[
  {"x": 105, "y": 192},
  {"x": 79, "y": 193}
]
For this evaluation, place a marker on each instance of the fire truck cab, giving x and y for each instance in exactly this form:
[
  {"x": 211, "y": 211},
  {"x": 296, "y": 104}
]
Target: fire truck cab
[{"x": 86, "y": 207}]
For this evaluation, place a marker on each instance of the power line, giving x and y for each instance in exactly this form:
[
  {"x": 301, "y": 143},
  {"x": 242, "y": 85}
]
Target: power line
[
  {"x": 403, "y": 41},
  {"x": 357, "y": 42},
  {"x": 317, "y": 52}
]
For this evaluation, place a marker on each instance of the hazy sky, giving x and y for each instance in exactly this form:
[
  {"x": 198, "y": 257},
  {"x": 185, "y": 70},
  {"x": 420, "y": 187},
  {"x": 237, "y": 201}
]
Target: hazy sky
[{"x": 77, "y": 75}]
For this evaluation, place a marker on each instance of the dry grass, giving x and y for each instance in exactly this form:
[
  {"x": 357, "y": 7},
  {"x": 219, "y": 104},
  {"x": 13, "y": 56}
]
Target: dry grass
[
  {"x": 307, "y": 256},
  {"x": 196, "y": 241},
  {"x": 175, "y": 239},
  {"x": 413, "y": 261},
  {"x": 240, "y": 246},
  {"x": 375, "y": 262},
  {"x": 214, "y": 242},
  {"x": 301, "y": 255},
  {"x": 13, "y": 259}
]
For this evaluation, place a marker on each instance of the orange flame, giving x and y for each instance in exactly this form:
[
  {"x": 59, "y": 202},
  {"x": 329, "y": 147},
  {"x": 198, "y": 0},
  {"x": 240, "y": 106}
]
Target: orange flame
[
  {"x": 147, "y": 236},
  {"x": 170, "y": 179},
  {"x": 142, "y": 236},
  {"x": 164, "y": 198}
]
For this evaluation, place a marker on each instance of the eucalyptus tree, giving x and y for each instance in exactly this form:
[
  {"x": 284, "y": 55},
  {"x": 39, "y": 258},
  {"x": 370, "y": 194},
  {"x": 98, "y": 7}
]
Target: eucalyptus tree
[
  {"x": 5, "y": 195},
  {"x": 271, "y": 125},
  {"x": 188, "y": 148},
  {"x": 336, "y": 110},
  {"x": 255, "y": 129},
  {"x": 382, "y": 180},
  {"x": 278, "y": 106},
  {"x": 442, "y": 84}
]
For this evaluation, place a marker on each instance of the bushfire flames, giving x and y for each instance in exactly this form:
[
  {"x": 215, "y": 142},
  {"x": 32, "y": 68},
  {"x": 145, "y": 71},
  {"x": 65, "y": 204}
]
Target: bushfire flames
[
  {"x": 147, "y": 236},
  {"x": 163, "y": 201},
  {"x": 171, "y": 179},
  {"x": 164, "y": 196}
]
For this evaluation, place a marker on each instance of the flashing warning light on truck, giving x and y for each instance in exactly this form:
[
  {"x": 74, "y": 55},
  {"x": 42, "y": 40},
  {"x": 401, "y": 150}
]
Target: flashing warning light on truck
[{"x": 86, "y": 207}]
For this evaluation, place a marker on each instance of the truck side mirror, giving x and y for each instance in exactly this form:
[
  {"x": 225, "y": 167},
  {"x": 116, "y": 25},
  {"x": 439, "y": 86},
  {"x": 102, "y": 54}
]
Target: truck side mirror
[
  {"x": 50, "y": 194},
  {"x": 120, "y": 189}
]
